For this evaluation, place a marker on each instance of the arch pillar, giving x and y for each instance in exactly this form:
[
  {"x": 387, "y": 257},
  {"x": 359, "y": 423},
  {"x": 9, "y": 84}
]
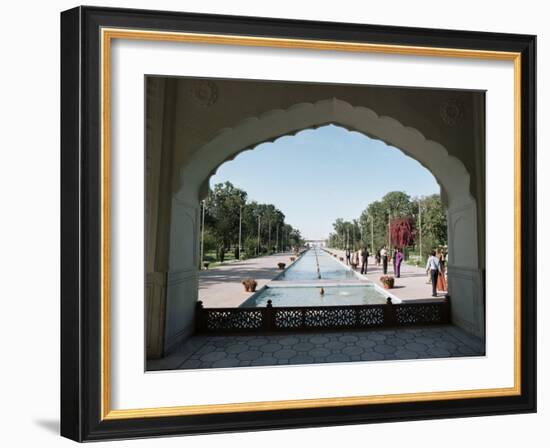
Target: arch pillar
[
  {"x": 183, "y": 274},
  {"x": 464, "y": 275}
]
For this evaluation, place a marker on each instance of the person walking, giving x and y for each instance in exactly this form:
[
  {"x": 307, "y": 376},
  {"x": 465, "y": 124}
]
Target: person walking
[
  {"x": 348, "y": 256},
  {"x": 355, "y": 259},
  {"x": 399, "y": 256},
  {"x": 378, "y": 257},
  {"x": 364, "y": 260},
  {"x": 441, "y": 281},
  {"x": 432, "y": 266},
  {"x": 384, "y": 255}
]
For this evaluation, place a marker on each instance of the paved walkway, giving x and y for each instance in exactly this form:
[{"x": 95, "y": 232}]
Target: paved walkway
[
  {"x": 411, "y": 286},
  {"x": 205, "y": 352},
  {"x": 221, "y": 286}
]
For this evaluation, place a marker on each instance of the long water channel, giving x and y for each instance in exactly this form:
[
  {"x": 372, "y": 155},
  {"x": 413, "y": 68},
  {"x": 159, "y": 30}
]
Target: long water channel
[{"x": 317, "y": 279}]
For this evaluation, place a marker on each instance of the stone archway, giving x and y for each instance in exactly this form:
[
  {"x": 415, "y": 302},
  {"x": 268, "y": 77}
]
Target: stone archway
[{"x": 450, "y": 173}]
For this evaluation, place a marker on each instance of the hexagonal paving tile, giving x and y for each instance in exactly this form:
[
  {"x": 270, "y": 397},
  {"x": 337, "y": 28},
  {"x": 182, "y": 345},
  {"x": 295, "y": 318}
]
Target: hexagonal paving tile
[
  {"x": 270, "y": 348},
  {"x": 335, "y": 345},
  {"x": 303, "y": 346},
  {"x": 318, "y": 339},
  {"x": 190, "y": 364},
  {"x": 285, "y": 353},
  {"x": 228, "y": 362},
  {"x": 354, "y": 350},
  {"x": 237, "y": 348},
  {"x": 465, "y": 350},
  {"x": 319, "y": 351},
  {"x": 395, "y": 341},
  {"x": 288, "y": 340},
  {"x": 451, "y": 346},
  {"x": 337, "y": 357},
  {"x": 249, "y": 355},
  {"x": 349, "y": 338},
  {"x": 213, "y": 356},
  {"x": 385, "y": 349},
  {"x": 372, "y": 356},
  {"x": 365, "y": 343},
  {"x": 206, "y": 349},
  {"x": 416, "y": 347},
  {"x": 377, "y": 337},
  {"x": 448, "y": 337},
  {"x": 254, "y": 342},
  {"x": 424, "y": 340},
  {"x": 301, "y": 359},
  {"x": 264, "y": 361},
  {"x": 405, "y": 354},
  {"x": 438, "y": 352}
]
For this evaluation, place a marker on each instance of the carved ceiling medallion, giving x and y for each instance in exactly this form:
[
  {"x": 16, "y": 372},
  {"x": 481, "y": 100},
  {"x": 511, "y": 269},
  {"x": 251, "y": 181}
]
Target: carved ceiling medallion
[
  {"x": 451, "y": 112},
  {"x": 205, "y": 93}
]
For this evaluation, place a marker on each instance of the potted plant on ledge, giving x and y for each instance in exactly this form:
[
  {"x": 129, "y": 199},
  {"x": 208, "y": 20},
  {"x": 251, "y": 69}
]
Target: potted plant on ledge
[
  {"x": 387, "y": 281},
  {"x": 250, "y": 285}
]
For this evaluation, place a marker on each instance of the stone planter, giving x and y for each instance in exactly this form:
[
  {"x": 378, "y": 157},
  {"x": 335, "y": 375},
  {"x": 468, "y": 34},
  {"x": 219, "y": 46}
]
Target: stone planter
[
  {"x": 281, "y": 265},
  {"x": 387, "y": 281},
  {"x": 292, "y": 258},
  {"x": 249, "y": 285}
]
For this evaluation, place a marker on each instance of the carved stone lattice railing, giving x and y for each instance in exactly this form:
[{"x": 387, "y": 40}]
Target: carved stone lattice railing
[{"x": 312, "y": 318}]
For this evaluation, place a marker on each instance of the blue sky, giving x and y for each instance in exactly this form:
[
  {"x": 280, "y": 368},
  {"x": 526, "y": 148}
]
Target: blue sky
[{"x": 322, "y": 174}]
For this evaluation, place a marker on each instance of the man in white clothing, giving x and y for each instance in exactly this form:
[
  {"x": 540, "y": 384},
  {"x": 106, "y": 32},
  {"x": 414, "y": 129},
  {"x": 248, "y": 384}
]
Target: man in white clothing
[{"x": 433, "y": 267}]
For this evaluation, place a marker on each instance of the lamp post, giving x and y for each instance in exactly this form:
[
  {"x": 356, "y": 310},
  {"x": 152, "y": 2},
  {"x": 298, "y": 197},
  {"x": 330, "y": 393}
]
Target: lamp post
[
  {"x": 277, "y": 238},
  {"x": 269, "y": 237},
  {"x": 389, "y": 229},
  {"x": 240, "y": 229},
  {"x": 371, "y": 233},
  {"x": 420, "y": 230},
  {"x": 259, "y": 221},
  {"x": 202, "y": 235}
]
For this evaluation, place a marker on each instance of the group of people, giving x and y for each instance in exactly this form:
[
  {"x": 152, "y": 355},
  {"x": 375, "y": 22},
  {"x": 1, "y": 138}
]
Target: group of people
[
  {"x": 435, "y": 266},
  {"x": 383, "y": 256},
  {"x": 358, "y": 257}
]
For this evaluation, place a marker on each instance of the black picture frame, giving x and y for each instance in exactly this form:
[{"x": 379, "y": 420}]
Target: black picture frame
[{"x": 81, "y": 224}]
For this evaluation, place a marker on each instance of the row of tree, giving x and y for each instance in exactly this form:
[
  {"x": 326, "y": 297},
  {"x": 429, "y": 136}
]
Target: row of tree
[
  {"x": 230, "y": 219},
  {"x": 397, "y": 220}
]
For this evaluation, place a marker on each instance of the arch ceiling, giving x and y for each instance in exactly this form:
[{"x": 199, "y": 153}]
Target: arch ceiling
[{"x": 449, "y": 171}]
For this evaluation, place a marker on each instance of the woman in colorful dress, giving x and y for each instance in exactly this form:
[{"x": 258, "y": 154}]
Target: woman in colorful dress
[{"x": 441, "y": 282}]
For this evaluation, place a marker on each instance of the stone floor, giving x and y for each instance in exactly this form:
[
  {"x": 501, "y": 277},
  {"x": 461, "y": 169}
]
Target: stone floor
[{"x": 206, "y": 352}]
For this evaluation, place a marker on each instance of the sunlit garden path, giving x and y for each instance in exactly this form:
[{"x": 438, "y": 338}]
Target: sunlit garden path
[
  {"x": 412, "y": 285},
  {"x": 221, "y": 286}
]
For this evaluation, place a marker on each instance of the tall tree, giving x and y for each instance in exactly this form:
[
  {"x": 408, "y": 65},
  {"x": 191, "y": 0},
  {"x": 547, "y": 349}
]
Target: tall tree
[
  {"x": 398, "y": 204},
  {"x": 434, "y": 222},
  {"x": 222, "y": 212},
  {"x": 402, "y": 232}
]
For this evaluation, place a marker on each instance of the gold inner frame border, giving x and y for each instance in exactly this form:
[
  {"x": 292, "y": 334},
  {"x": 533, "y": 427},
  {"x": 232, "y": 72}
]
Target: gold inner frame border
[{"x": 107, "y": 35}]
